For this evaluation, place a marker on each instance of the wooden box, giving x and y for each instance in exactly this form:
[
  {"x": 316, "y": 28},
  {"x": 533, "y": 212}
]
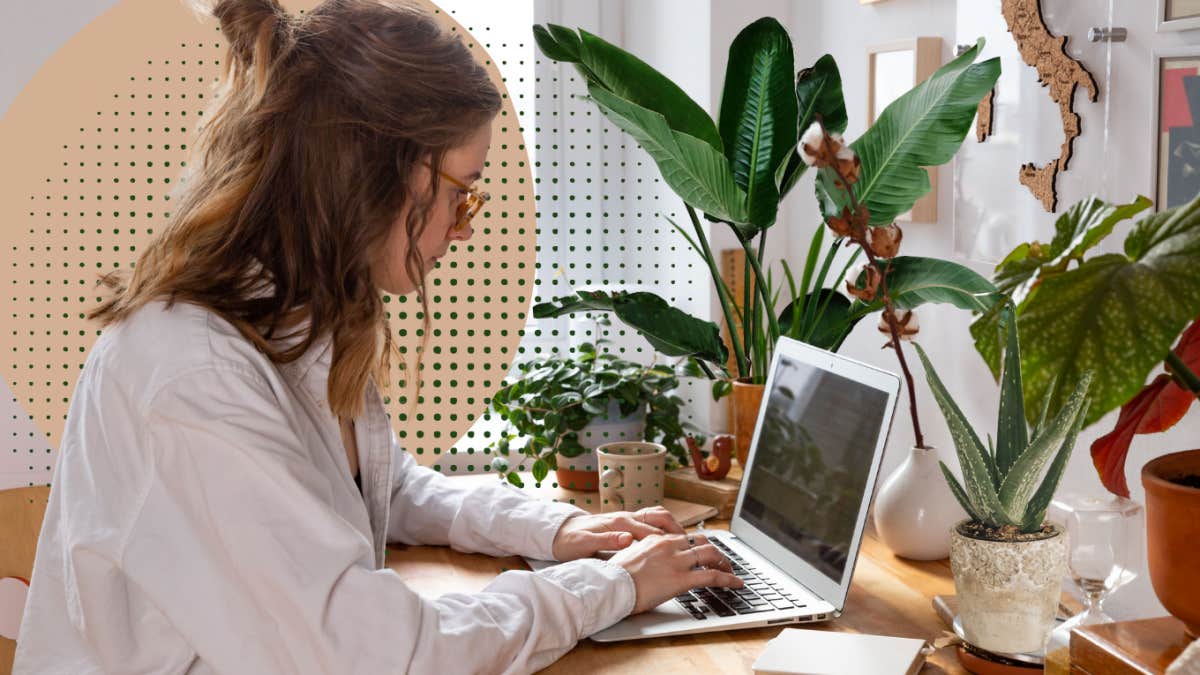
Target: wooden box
[
  {"x": 720, "y": 494},
  {"x": 1143, "y": 647}
]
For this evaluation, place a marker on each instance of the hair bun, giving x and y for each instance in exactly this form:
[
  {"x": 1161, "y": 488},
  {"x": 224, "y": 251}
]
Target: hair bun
[{"x": 252, "y": 27}]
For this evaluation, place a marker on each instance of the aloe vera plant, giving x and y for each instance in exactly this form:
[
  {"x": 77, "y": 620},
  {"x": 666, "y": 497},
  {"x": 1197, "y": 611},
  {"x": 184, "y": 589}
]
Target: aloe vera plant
[{"x": 1000, "y": 487}]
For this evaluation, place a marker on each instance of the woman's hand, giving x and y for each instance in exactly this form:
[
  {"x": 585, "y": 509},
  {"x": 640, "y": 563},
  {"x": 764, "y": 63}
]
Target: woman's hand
[
  {"x": 663, "y": 566},
  {"x": 583, "y": 536}
]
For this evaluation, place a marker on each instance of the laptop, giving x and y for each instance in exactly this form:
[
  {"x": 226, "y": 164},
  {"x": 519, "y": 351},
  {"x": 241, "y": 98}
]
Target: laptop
[{"x": 802, "y": 506}]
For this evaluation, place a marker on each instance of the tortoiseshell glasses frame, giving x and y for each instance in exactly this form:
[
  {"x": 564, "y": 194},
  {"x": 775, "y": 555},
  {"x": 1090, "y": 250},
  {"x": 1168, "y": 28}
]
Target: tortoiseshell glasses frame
[{"x": 471, "y": 206}]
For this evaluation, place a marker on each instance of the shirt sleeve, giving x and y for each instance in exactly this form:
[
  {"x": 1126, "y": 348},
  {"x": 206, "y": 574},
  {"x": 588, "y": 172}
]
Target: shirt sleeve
[
  {"x": 428, "y": 507},
  {"x": 235, "y": 544}
]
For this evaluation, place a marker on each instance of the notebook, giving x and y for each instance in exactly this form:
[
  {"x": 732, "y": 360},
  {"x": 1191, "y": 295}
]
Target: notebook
[{"x": 798, "y": 651}]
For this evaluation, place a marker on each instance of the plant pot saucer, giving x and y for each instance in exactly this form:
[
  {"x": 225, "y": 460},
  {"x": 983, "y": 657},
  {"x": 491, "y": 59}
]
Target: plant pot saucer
[
  {"x": 1033, "y": 658},
  {"x": 980, "y": 662}
]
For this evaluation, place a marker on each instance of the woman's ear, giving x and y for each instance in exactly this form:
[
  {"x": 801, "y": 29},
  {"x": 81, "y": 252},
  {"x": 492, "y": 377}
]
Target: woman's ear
[{"x": 420, "y": 175}]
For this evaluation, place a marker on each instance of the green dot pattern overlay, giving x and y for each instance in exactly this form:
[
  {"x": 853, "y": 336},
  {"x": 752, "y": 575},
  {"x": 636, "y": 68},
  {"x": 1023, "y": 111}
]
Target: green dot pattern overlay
[{"x": 106, "y": 128}]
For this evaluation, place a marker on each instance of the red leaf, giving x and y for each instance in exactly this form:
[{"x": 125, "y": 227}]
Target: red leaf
[{"x": 1157, "y": 407}]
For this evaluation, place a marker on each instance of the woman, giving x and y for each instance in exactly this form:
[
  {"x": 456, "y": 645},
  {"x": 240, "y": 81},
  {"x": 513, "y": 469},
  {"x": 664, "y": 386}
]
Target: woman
[{"x": 228, "y": 478}]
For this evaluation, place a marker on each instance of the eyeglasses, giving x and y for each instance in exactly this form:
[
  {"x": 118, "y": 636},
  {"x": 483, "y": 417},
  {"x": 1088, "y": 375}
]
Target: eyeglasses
[{"x": 471, "y": 206}]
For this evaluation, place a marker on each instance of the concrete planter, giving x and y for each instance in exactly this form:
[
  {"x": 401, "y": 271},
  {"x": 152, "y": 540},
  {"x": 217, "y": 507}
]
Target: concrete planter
[{"x": 1008, "y": 592}]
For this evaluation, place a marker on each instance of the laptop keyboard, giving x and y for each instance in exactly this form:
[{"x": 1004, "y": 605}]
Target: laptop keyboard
[{"x": 758, "y": 595}]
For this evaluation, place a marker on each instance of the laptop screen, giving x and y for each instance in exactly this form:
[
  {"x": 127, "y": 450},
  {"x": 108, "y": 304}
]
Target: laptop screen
[{"x": 813, "y": 457}]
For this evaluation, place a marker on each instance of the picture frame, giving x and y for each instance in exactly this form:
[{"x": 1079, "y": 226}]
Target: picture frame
[
  {"x": 1175, "y": 131},
  {"x": 1177, "y": 15},
  {"x": 893, "y": 68}
]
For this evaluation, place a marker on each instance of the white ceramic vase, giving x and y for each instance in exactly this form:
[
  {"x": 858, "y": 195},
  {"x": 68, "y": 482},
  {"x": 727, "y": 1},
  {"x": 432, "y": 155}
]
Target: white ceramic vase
[{"x": 915, "y": 510}]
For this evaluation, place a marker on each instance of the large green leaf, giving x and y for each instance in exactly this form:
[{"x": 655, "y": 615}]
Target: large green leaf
[
  {"x": 924, "y": 127},
  {"x": 818, "y": 92},
  {"x": 758, "y": 114},
  {"x": 557, "y": 42},
  {"x": 695, "y": 170},
  {"x": 1076, "y": 231},
  {"x": 831, "y": 320},
  {"x": 1115, "y": 314},
  {"x": 914, "y": 281},
  {"x": 615, "y": 70},
  {"x": 669, "y": 330}
]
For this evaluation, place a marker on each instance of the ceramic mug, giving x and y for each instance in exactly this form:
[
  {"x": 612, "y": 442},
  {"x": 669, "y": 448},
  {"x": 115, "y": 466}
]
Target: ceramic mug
[{"x": 631, "y": 475}]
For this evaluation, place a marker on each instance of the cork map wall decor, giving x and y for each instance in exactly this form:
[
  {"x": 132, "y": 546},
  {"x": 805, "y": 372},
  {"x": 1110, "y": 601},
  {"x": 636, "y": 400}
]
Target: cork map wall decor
[
  {"x": 985, "y": 116},
  {"x": 1062, "y": 75}
]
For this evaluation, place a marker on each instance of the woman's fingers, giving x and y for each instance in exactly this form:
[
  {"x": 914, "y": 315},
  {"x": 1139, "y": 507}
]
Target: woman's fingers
[
  {"x": 661, "y": 518},
  {"x": 629, "y": 523},
  {"x": 707, "y": 555},
  {"x": 713, "y": 577},
  {"x": 685, "y": 541}
]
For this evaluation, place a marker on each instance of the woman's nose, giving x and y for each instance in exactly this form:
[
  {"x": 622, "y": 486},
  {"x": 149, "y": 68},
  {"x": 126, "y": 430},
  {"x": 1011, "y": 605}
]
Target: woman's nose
[{"x": 461, "y": 234}]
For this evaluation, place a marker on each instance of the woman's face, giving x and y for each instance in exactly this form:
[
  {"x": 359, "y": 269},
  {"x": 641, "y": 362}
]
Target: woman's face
[{"x": 463, "y": 163}]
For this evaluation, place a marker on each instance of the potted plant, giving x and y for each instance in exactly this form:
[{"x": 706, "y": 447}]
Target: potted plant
[
  {"x": 1008, "y": 562},
  {"x": 1172, "y": 485},
  {"x": 737, "y": 169},
  {"x": 1078, "y": 310},
  {"x": 564, "y": 406}
]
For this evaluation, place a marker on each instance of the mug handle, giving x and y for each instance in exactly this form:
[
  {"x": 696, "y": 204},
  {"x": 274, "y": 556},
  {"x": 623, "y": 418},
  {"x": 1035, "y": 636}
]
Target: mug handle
[{"x": 616, "y": 480}]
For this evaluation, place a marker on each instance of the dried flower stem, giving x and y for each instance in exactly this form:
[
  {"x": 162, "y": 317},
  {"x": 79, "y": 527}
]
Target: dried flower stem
[{"x": 859, "y": 236}]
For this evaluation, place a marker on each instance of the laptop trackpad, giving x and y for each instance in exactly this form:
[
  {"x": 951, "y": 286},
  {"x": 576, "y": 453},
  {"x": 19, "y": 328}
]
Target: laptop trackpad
[{"x": 650, "y": 623}]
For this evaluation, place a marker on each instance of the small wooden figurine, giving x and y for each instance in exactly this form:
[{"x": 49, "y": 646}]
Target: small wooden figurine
[{"x": 716, "y": 465}]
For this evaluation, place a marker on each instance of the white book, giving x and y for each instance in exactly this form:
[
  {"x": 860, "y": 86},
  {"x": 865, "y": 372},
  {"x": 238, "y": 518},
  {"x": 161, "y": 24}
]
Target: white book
[{"x": 797, "y": 651}]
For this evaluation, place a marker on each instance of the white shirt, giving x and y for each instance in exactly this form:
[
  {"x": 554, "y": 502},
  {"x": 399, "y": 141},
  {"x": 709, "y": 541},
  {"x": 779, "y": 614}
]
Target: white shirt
[{"x": 203, "y": 519}]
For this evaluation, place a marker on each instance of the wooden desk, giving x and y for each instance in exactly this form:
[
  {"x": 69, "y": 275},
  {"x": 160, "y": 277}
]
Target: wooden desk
[{"x": 889, "y": 596}]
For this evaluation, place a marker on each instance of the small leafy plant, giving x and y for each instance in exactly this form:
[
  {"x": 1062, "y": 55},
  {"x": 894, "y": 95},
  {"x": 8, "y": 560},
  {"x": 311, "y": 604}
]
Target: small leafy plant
[
  {"x": 558, "y": 395},
  {"x": 998, "y": 489}
]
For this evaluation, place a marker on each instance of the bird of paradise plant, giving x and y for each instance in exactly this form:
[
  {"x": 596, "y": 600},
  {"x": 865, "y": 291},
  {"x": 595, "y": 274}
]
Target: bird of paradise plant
[{"x": 737, "y": 169}]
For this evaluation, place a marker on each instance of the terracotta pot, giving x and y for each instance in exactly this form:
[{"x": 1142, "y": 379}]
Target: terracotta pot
[
  {"x": 582, "y": 472},
  {"x": 1008, "y": 592},
  {"x": 747, "y": 399},
  {"x": 1172, "y": 530},
  {"x": 577, "y": 479}
]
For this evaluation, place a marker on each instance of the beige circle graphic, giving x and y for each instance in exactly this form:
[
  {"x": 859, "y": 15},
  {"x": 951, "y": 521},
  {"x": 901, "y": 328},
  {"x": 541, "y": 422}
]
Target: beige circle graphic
[{"x": 94, "y": 145}]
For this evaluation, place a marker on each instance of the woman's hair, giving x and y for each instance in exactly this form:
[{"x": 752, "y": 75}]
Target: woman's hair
[{"x": 303, "y": 165}]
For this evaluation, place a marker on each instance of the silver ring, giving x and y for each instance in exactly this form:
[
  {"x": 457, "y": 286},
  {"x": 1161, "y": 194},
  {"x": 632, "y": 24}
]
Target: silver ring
[{"x": 691, "y": 541}]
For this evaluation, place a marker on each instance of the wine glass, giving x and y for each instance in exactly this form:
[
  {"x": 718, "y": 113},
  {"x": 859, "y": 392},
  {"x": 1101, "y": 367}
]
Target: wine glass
[
  {"x": 1101, "y": 533},
  {"x": 1102, "y": 544}
]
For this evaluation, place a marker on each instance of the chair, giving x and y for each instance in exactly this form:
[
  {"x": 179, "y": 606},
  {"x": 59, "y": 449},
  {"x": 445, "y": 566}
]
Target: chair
[{"x": 21, "y": 514}]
